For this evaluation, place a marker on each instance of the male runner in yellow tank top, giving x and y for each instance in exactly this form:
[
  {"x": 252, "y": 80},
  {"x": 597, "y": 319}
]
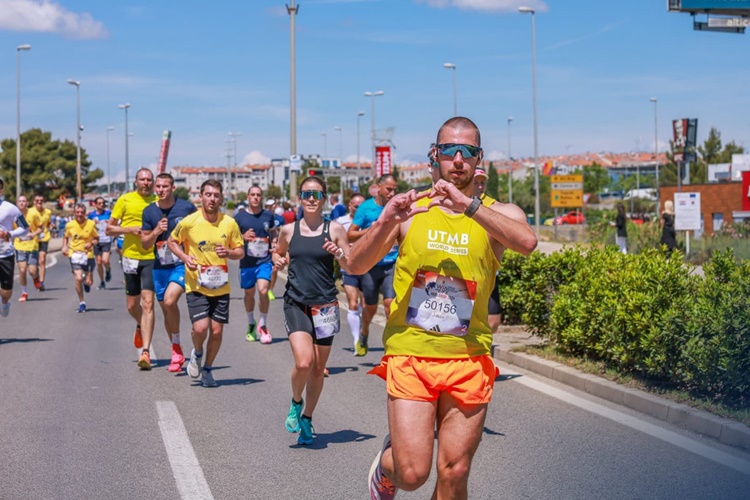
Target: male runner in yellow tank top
[{"x": 437, "y": 362}]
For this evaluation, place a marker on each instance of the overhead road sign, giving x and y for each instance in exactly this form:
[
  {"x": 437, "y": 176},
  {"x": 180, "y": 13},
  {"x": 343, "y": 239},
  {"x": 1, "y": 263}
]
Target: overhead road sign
[
  {"x": 566, "y": 191},
  {"x": 724, "y": 7}
]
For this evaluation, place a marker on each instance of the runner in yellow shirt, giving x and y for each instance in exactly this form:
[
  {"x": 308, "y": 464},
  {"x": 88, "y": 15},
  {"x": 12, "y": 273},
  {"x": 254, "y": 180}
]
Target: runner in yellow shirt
[
  {"x": 137, "y": 262},
  {"x": 204, "y": 241},
  {"x": 45, "y": 215},
  {"x": 78, "y": 244},
  {"x": 27, "y": 248}
]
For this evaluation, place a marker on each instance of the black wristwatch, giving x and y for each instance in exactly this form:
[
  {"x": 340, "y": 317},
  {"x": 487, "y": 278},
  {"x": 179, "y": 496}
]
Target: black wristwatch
[{"x": 472, "y": 209}]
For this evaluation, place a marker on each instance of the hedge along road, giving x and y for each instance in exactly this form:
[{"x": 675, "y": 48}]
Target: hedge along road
[{"x": 80, "y": 421}]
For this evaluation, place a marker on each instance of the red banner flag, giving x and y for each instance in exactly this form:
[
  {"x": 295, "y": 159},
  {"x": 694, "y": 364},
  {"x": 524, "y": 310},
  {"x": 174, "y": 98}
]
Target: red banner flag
[
  {"x": 383, "y": 161},
  {"x": 164, "y": 151}
]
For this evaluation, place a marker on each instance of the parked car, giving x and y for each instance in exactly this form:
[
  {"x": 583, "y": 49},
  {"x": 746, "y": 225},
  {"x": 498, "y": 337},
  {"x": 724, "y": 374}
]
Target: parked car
[{"x": 574, "y": 217}]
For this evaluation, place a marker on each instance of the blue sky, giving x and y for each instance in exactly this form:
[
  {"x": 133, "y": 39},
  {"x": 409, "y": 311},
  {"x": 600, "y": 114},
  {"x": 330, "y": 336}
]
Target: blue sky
[{"x": 203, "y": 69}]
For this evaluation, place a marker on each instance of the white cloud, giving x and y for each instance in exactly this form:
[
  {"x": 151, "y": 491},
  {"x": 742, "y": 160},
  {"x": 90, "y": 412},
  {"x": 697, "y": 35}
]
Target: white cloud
[
  {"x": 488, "y": 5},
  {"x": 495, "y": 155},
  {"x": 48, "y": 16},
  {"x": 256, "y": 158}
]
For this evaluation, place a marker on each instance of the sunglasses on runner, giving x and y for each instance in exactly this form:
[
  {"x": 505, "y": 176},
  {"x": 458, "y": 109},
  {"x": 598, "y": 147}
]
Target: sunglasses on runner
[
  {"x": 467, "y": 151},
  {"x": 306, "y": 195}
]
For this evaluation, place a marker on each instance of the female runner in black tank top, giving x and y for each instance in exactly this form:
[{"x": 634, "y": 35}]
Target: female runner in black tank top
[{"x": 311, "y": 313}]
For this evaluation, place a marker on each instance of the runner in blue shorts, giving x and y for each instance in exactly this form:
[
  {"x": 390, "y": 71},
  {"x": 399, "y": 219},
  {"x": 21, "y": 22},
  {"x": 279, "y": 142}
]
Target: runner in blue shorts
[
  {"x": 159, "y": 219},
  {"x": 103, "y": 248},
  {"x": 353, "y": 282},
  {"x": 258, "y": 228}
]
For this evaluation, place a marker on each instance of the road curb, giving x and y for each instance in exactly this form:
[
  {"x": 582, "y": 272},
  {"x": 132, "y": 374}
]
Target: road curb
[{"x": 722, "y": 429}]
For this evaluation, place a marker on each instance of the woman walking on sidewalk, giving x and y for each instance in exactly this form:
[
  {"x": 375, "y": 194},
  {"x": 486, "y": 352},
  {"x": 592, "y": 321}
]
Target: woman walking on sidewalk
[{"x": 311, "y": 309}]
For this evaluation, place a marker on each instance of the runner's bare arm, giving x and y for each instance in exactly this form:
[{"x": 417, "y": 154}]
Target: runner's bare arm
[
  {"x": 338, "y": 245},
  {"x": 279, "y": 255},
  {"x": 355, "y": 233},
  {"x": 176, "y": 248},
  {"x": 380, "y": 237},
  {"x": 115, "y": 229}
]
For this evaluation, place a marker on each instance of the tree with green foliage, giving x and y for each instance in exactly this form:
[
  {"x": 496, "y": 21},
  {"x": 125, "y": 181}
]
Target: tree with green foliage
[
  {"x": 401, "y": 185},
  {"x": 711, "y": 152},
  {"x": 47, "y": 166},
  {"x": 492, "y": 182},
  {"x": 182, "y": 193},
  {"x": 273, "y": 192},
  {"x": 595, "y": 178}
]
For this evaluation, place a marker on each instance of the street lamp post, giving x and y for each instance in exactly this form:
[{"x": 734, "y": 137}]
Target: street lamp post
[
  {"x": 234, "y": 143},
  {"x": 656, "y": 155},
  {"x": 455, "y": 95},
  {"x": 126, "y": 106},
  {"x": 78, "y": 138},
  {"x": 359, "y": 159},
  {"x": 109, "y": 177},
  {"x": 529, "y": 10},
  {"x": 372, "y": 96},
  {"x": 510, "y": 165},
  {"x": 292, "y": 11},
  {"x": 18, "y": 122}
]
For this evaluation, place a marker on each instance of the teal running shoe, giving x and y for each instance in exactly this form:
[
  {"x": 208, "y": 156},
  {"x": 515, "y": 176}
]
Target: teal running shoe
[
  {"x": 292, "y": 419},
  {"x": 305, "y": 432}
]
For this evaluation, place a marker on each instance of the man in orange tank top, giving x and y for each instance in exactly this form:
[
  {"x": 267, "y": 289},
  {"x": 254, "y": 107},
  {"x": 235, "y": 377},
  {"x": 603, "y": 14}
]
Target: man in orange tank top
[{"x": 437, "y": 364}]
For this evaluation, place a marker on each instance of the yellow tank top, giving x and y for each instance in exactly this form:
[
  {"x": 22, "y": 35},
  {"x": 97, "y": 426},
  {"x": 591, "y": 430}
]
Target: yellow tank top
[{"x": 443, "y": 279}]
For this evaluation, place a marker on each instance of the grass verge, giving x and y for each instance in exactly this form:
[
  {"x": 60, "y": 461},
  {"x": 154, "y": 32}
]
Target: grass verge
[{"x": 599, "y": 369}]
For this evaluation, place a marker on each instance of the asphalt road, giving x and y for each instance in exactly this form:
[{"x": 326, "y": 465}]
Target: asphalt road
[{"x": 79, "y": 421}]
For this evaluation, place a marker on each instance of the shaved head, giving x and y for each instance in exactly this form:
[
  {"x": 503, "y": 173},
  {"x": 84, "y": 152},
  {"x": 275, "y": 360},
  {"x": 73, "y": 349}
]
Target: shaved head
[{"x": 460, "y": 123}]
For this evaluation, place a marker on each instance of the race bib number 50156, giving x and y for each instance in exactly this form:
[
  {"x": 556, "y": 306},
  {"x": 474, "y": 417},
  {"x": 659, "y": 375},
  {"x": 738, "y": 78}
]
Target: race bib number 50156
[{"x": 440, "y": 303}]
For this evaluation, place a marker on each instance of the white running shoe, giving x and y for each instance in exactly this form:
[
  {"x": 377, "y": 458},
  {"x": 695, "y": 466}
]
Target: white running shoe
[{"x": 194, "y": 366}]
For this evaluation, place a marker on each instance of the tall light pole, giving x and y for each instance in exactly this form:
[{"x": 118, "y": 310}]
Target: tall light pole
[
  {"x": 529, "y": 10},
  {"x": 127, "y": 148},
  {"x": 78, "y": 138},
  {"x": 359, "y": 158},
  {"x": 656, "y": 155},
  {"x": 510, "y": 165},
  {"x": 292, "y": 11},
  {"x": 455, "y": 94},
  {"x": 18, "y": 122},
  {"x": 341, "y": 161},
  {"x": 372, "y": 96},
  {"x": 109, "y": 177},
  {"x": 234, "y": 143}
]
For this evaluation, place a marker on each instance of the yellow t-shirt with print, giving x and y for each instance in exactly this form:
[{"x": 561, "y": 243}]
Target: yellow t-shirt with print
[
  {"x": 443, "y": 279},
  {"x": 200, "y": 237},
  {"x": 29, "y": 243},
  {"x": 45, "y": 215},
  {"x": 79, "y": 235},
  {"x": 129, "y": 211}
]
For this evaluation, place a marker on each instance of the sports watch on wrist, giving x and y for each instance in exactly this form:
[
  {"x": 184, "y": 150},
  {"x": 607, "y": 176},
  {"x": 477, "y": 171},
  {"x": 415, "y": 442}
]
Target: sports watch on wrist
[{"x": 473, "y": 207}]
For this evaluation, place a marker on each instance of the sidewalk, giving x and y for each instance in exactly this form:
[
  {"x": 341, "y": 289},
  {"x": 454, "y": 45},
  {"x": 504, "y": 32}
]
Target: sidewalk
[{"x": 724, "y": 430}]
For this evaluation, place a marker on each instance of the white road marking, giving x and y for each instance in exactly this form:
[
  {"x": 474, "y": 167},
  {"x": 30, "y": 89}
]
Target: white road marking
[
  {"x": 187, "y": 471},
  {"x": 718, "y": 456}
]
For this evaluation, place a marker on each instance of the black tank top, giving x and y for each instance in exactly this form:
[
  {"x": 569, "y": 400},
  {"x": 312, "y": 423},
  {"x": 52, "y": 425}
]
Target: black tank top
[{"x": 310, "y": 276}]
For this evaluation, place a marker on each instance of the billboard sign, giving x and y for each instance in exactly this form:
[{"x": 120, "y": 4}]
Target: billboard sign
[
  {"x": 687, "y": 211},
  {"x": 383, "y": 161},
  {"x": 710, "y": 5},
  {"x": 685, "y": 131},
  {"x": 165, "y": 140},
  {"x": 295, "y": 163}
]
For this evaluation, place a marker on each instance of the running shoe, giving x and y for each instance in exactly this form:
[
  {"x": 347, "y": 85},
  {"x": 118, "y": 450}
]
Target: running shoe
[
  {"x": 381, "y": 487},
  {"x": 86, "y": 287},
  {"x": 82, "y": 307},
  {"x": 326, "y": 373},
  {"x": 144, "y": 362},
  {"x": 207, "y": 378},
  {"x": 361, "y": 347},
  {"x": 271, "y": 296},
  {"x": 292, "y": 419},
  {"x": 251, "y": 336},
  {"x": 137, "y": 337},
  {"x": 37, "y": 283},
  {"x": 24, "y": 297},
  {"x": 177, "y": 359},
  {"x": 305, "y": 432},
  {"x": 194, "y": 366},
  {"x": 265, "y": 335},
  {"x": 101, "y": 286},
  {"x": 41, "y": 286},
  {"x": 108, "y": 275},
  {"x": 5, "y": 309}
]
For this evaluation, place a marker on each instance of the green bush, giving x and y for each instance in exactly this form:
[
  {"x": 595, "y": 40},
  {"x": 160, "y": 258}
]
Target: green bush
[{"x": 712, "y": 327}]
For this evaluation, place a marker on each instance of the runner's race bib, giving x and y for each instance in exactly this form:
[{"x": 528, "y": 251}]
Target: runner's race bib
[
  {"x": 441, "y": 304},
  {"x": 129, "y": 266},
  {"x": 213, "y": 277},
  {"x": 101, "y": 228},
  {"x": 326, "y": 320},
  {"x": 79, "y": 258},
  {"x": 5, "y": 247},
  {"x": 257, "y": 248},
  {"x": 166, "y": 257}
]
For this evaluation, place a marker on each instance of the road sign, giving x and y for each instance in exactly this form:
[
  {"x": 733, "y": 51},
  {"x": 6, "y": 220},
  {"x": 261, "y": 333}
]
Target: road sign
[
  {"x": 295, "y": 163},
  {"x": 687, "y": 211},
  {"x": 567, "y": 191}
]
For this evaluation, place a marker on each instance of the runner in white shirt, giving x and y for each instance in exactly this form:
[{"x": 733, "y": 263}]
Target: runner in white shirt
[
  {"x": 12, "y": 225},
  {"x": 353, "y": 283}
]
